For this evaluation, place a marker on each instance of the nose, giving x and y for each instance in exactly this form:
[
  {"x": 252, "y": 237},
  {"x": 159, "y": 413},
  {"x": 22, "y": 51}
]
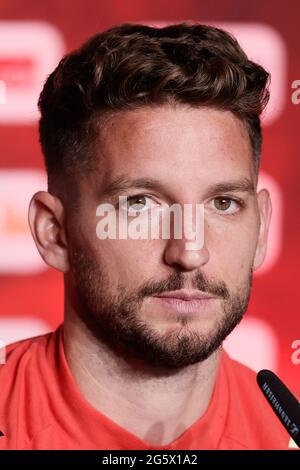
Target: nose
[{"x": 177, "y": 254}]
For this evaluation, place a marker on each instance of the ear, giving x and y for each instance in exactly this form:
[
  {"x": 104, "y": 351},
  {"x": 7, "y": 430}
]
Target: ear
[
  {"x": 46, "y": 221},
  {"x": 265, "y": 212}
]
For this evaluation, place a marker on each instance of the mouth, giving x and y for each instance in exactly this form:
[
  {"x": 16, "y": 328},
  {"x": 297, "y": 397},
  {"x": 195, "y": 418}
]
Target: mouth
[{"x": 185, "y": 301}]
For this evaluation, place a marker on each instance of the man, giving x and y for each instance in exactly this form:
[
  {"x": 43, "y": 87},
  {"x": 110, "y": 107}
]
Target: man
[{"x": 158, "y": 117}]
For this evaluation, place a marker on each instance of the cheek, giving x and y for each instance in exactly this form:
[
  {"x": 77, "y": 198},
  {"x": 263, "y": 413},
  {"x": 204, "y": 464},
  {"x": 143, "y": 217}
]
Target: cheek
[
  {"x": 128, "y": 262},
  {"x": 124, "y": 261},
  {"x": 231, "y": 246},
  {"x": 117, "y": 258}
]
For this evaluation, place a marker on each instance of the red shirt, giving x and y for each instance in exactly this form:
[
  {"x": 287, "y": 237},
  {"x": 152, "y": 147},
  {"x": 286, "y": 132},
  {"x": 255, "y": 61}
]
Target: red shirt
[{"x": 41, "y": 407}]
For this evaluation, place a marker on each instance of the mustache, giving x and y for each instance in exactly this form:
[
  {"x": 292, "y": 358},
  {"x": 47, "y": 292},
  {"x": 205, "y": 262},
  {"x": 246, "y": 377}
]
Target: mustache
[{"x": 177, "y": 281}]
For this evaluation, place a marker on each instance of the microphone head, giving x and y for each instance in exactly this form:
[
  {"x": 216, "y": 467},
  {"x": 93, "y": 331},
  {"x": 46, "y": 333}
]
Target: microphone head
[{"x": 284, "y": 404}]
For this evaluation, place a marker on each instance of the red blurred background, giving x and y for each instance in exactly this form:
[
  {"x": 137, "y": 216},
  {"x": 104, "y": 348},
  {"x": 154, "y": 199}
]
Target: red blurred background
[{"x": 33, "y": 37}]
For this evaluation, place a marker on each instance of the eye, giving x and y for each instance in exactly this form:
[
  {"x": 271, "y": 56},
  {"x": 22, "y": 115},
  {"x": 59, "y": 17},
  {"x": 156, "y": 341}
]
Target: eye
[
  {"x": 226, "y": 204},
  {"x": 139, "y": 202}
]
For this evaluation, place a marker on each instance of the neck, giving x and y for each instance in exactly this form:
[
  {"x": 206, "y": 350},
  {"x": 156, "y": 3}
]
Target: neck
[{"x": 156, "y": 406}]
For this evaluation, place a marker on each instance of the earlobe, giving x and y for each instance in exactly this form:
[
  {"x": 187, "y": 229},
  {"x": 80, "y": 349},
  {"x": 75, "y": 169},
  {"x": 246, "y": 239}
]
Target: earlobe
[
  {"x": 265, "y": 213},
  {"x": 46, "y": 221}
]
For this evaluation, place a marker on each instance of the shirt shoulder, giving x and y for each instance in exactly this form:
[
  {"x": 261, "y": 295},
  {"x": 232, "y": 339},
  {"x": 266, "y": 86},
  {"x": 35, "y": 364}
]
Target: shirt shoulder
[{"x": 22, "y": 389}]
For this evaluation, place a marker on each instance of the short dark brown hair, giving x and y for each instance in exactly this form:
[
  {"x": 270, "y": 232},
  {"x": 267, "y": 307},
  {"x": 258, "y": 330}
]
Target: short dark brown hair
[{"x": 133, "y": 65}]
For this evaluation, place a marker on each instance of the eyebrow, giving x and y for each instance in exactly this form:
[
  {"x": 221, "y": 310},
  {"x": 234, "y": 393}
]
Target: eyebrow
[
  {"x": 123, "y": 183},
  {"x": 244, "y": 186}
]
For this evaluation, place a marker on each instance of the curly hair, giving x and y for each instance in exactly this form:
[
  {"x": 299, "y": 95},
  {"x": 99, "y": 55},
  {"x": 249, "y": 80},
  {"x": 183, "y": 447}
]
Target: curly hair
[{"x": 133, "y": 65}]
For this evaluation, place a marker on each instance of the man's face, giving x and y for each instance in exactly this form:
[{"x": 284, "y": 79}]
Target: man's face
[{"x": 192, "y": 156}]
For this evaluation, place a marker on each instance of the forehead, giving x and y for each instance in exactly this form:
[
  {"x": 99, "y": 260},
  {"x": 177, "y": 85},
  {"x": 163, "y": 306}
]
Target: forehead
[{"x": 177, "y": 144}]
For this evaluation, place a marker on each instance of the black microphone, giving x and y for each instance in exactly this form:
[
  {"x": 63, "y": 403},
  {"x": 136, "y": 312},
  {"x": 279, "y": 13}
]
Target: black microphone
[{"x": 282, "y": 401}]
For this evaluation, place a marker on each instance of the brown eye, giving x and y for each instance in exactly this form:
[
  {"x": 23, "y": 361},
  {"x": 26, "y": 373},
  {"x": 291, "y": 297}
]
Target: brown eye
[
  {"x": 136, "y": 202},
  {"x": 222, "y": 203}
]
